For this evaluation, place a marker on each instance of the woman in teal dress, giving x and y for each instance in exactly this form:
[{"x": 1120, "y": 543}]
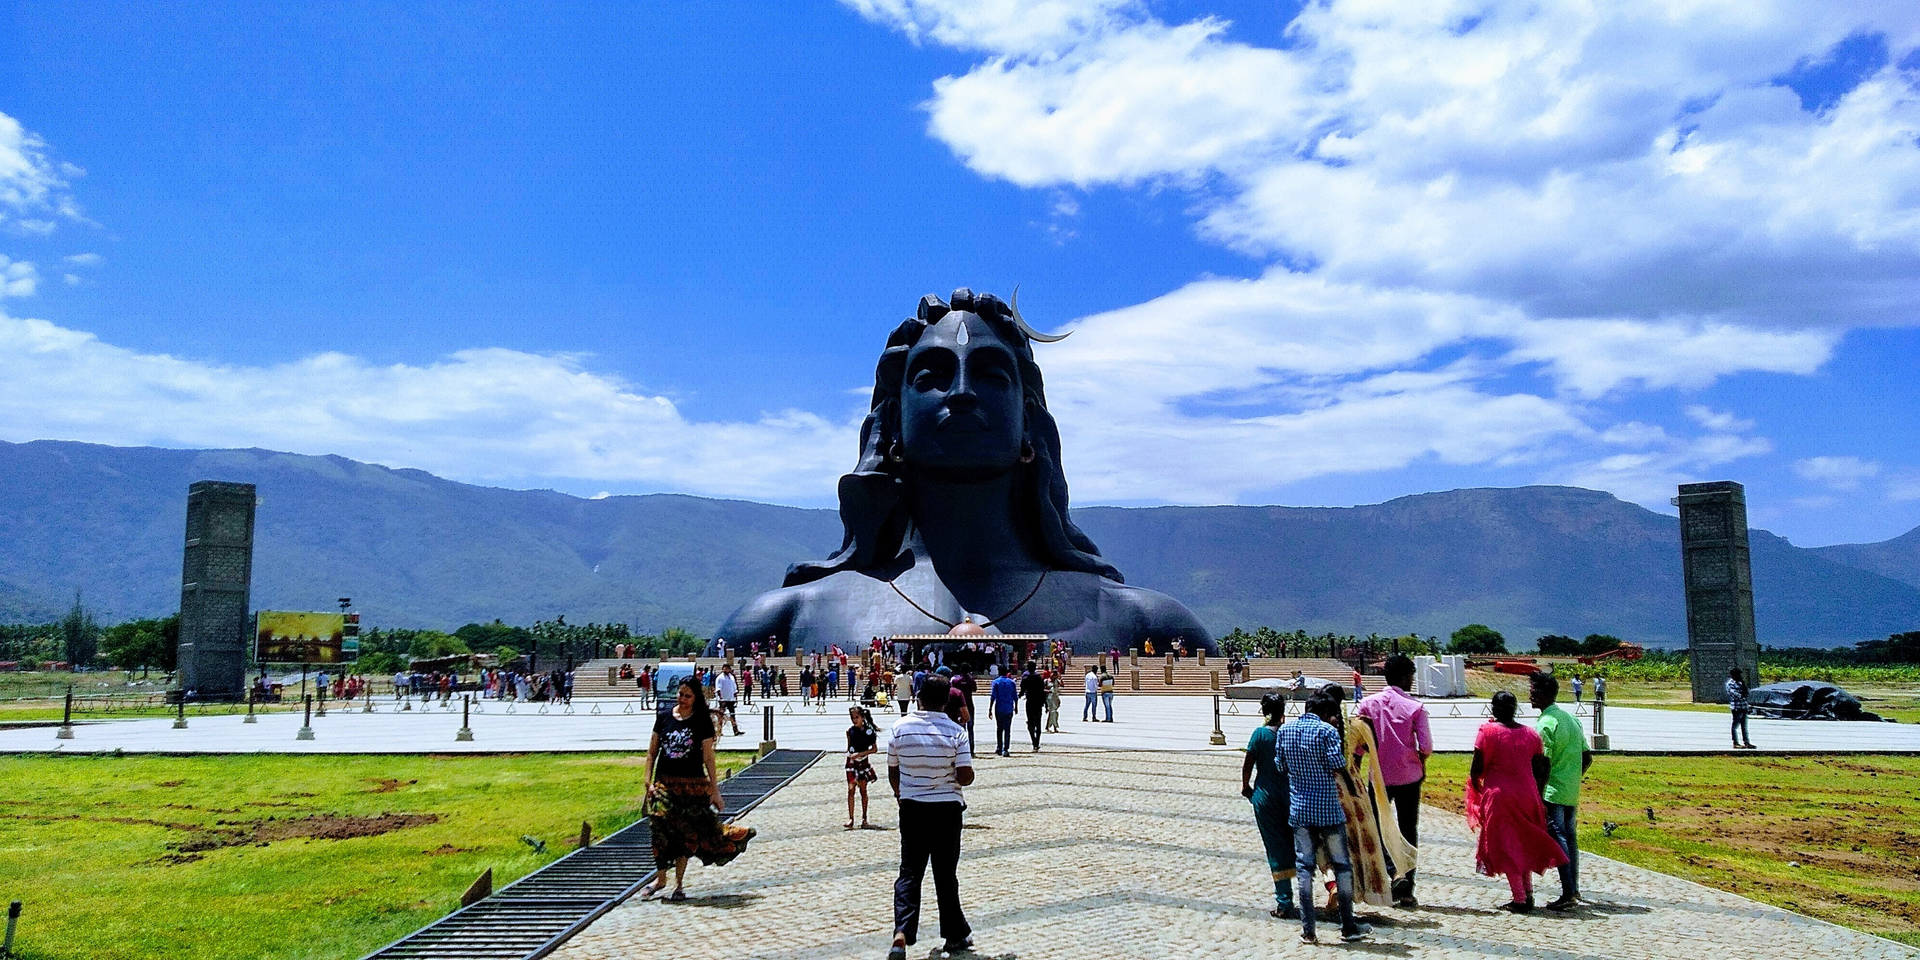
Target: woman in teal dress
[{"x": 1264, "y": 782}]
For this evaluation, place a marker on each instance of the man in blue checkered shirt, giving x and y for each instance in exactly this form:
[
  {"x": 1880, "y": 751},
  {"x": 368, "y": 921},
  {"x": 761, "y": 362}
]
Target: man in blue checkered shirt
[{"x": 1309, "y": 748}]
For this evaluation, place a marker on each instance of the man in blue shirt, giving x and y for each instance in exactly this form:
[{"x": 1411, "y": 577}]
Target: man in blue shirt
[
  {"x": 1003, "y": 695},
  {"x": 1310, "y": 752}
]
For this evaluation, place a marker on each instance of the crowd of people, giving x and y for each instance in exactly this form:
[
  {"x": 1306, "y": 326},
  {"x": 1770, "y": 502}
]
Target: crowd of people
[{"x": 1335, "y": 791}]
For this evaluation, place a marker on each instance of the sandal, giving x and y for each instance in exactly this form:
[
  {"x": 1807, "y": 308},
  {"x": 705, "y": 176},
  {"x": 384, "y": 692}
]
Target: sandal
[{"x": 679, "y": 896}]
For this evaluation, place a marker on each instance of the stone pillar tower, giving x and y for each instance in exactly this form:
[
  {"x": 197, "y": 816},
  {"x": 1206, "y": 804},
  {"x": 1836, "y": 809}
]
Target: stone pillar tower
[
  {"x": 215, "y": 580},
  {"x": 1719, "y": 582}
]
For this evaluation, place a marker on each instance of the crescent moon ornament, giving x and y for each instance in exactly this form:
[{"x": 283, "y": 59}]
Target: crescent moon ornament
[{"x": 1027, "y": 329}]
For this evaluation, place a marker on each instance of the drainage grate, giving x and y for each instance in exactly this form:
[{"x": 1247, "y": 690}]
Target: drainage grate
[{"x": 535, "y": 914}]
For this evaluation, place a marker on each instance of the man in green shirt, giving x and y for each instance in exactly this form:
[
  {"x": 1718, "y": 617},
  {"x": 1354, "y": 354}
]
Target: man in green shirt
[{"x": 1567, "y": 760}]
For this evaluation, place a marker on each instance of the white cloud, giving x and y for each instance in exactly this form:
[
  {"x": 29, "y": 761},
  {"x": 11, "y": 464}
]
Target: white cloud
[
  {"x": 998, "y": 26},
  {"x": 1716, "y": 420},
  {"x": 485, "y": 414},
  {"x": 83, "y": 260},
  {"x": 18, "y": 278},
  {"x": 1904, "y": 487},
  {"x": 33, "y": 187},
  {"x": 1840, "y": 473},
  {"x": 1648, "y": 475}
]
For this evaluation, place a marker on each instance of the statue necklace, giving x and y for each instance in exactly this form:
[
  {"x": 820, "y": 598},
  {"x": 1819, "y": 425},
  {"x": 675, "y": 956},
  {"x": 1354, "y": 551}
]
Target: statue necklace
[{"x": 984, "y": 623}]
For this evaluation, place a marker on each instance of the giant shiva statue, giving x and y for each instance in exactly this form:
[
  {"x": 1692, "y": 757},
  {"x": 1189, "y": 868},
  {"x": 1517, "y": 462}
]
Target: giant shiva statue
[{"x": 957, "y": 510}]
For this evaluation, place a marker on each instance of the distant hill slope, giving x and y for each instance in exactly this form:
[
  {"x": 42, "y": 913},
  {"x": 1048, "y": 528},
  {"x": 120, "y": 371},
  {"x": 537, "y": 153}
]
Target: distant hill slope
[
  {"x": 1897, "y": 559},
  {"x": 416, "y": 550}
]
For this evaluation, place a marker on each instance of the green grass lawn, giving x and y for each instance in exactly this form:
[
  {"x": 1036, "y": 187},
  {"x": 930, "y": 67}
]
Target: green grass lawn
[
  {"x": 1894, "y": 701},
  {"x": 230, "y": 857},
  {"x": 1852, "y": 824}
]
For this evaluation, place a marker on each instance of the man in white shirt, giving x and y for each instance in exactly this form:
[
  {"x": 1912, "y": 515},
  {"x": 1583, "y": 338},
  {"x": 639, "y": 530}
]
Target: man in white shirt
[
  {"x": 928, "y": 761},
  {"x": 726, "y": 688},
  {"x": 1092, "y": 710}
]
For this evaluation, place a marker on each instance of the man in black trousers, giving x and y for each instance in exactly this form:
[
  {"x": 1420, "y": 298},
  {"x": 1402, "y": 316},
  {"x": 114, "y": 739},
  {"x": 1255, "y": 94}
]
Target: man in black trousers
[
  {"x": 1034, "y": 690},
  {"x": 928, "y": 761}
]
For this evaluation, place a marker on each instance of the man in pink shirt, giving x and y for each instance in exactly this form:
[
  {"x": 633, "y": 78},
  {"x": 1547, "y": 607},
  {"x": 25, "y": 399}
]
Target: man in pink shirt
[{"x": 1400, "y": 728}]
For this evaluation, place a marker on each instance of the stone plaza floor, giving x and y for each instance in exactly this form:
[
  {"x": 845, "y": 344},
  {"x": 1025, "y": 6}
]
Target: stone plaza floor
[
  {"x": 1106, "y": 853},
  {"x": 1143, "y": 722}
]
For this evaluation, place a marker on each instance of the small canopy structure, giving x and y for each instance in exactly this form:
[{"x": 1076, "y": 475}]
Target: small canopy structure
[{"x": 1255, "y": 689}]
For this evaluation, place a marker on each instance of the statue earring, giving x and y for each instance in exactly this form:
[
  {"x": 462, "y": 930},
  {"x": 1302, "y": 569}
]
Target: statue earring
[
  {"x": 1026, "y": 451},
  {"x": 894, "y": 454}
]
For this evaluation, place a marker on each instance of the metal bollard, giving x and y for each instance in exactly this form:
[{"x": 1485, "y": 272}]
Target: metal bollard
[
  {"x": 250, "y": 717},
  {"x": 466, "y": 731},
  {"x": 766, "y": 731},
  {"x": 306, "y": 723},
  {"x": 1219, "y": 737},
  {"x": 180, "y": 717},
  {"x": 66, "y": 718},
  {"x": 1601, "y": 741},
  {"x": 13, "y": 919}
]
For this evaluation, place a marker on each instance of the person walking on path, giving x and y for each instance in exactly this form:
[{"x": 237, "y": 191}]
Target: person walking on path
[
  {"x": 863, "y": 740},
  {"x": 683, "y": 800},
  {"x": 1309, "y": 750},
  {"x": 1567, "y": 761},
  {"x": 1599, "y": 689},
  {"x": 1404, "y": 739},
  {"x": 1003, "y": 696},
  {"x": 1737, "y": 701},
  {"x": 1053, "y": 704},
  {"x": 1503, "y": 803},
  {"x": 1576, "y": 689},
  {"x": 1091, "y": 712},
  {"x": 928, "y": 764},
  {"x": 962, "y": 688},
  {"x": 727, "y": 689},
  {"x": 1264, "y": 781},
  {"x": 1034, "y": 691},
  {"x": 1106, "y": 692}
]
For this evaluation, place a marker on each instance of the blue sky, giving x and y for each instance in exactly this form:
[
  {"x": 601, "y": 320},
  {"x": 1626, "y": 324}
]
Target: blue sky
[{"x": 1319, "y": 258}]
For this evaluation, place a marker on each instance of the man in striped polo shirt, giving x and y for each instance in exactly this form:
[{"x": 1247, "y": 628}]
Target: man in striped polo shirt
[{"x": 927, "y": 763}]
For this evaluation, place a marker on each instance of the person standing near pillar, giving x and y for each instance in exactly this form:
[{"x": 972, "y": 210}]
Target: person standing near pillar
[
  {"x": 1568, "y": 759},
  {"x": 928, "y": 764},
  {"x": 1404, "y": 739}
]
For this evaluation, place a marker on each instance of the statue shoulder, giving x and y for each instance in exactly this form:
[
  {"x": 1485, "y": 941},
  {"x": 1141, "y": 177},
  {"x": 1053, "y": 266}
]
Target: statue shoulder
[
  {"x": 1156, "y": 614},
  {"x": 767, "y": 615}
]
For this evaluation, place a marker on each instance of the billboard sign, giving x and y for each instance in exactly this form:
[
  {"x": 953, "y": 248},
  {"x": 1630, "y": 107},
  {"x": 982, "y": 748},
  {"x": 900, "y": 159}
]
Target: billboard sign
[{"x": 287, "y": 636}]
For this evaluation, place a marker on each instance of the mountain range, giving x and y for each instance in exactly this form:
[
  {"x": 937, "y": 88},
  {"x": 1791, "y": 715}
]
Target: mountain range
[{"x": 414, "y": 549}]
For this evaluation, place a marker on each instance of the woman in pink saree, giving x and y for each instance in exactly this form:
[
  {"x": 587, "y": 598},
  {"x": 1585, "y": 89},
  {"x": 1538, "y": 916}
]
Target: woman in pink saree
[{"x": 1503, "y": 803}]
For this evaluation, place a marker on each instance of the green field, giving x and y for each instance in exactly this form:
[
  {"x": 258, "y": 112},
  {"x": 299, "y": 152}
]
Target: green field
[
  {"x": 1835, "y": 838},
  {"x": 224, "y": 858}
]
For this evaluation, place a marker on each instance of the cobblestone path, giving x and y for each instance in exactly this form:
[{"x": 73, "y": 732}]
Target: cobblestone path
[{"x": 1098, "y": 854}]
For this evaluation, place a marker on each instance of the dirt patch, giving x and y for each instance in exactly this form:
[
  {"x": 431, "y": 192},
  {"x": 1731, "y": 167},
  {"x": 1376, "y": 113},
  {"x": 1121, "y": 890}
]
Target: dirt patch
[
  {"x": 320, "y": 826},
  {"x": 390, "y": 784},
  {"x": 175, "y": 859},
  {"x": 447, "y": 850},
  {"x": 169, "y": 783}
]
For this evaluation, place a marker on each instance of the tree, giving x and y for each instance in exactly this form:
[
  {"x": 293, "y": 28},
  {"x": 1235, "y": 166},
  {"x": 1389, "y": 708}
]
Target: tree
[
  {"x": 1477, "y": 638},
  {"x": 1557, "y": 645},
  {"x": 430, "y": 644},
  {"x": 378, "y": 664},
  {"x": 136, "y": 643},
  {"x": 1599, "y": 643},
  {"x": 79, "y": 634},
  {"x": 1897, "y": 648}
]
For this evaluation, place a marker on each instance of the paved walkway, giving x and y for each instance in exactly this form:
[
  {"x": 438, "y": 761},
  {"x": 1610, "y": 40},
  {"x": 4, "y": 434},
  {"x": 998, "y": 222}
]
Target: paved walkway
[
  {"x": 1144, "y": 722},
  {"x": 1119, "y": 854}
]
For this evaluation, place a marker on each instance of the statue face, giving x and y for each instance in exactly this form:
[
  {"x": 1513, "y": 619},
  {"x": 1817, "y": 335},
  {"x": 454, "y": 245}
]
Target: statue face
[{"x": 961, "y": 402}]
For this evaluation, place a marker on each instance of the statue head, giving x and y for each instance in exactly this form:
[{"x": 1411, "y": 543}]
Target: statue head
[{"x": 957, "y": 396}]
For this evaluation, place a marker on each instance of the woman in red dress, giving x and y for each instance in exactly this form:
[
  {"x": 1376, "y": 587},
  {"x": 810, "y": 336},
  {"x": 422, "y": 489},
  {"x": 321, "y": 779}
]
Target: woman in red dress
[{"x": 1503, "y": 803}]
